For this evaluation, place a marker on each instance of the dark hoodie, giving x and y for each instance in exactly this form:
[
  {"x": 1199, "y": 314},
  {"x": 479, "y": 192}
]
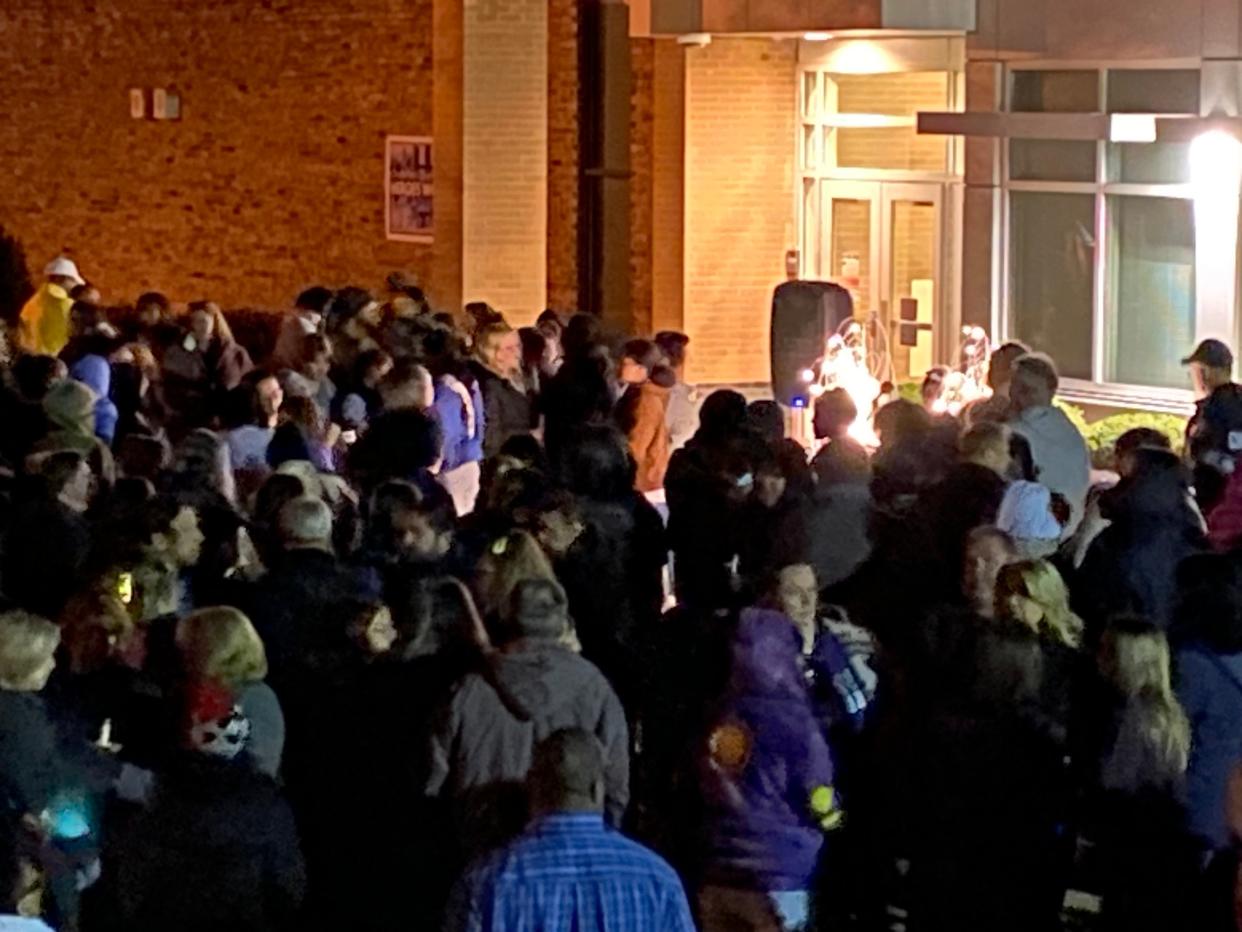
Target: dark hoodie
[
  {"x": 481, "y": 748},
  {"x": 1131, "y": 568}
]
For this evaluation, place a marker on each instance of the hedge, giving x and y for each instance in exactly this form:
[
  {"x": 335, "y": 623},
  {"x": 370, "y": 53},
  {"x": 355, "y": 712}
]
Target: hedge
[{"x": 1101, "y": 436}]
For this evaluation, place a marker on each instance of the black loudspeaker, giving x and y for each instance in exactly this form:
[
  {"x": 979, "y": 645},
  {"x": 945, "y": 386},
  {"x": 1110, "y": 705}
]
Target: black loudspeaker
[{"x": 804, "y": 316}]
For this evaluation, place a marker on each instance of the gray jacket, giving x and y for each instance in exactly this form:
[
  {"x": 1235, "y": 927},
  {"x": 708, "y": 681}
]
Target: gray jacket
[{"x": 482, "y": 744}]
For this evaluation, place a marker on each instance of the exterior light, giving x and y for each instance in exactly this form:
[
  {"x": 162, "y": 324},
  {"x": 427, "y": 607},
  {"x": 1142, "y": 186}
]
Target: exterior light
[
  {"x": 1215, "y": 164},
  {"x": 816, "y": 36},
  {"x": 1131, "y": 127}
]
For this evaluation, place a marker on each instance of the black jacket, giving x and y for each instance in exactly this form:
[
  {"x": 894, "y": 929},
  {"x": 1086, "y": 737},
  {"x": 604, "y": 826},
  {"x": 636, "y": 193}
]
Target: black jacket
[
  {"x": 45, "y": 549},
  {"x": 37, "y": 760},
  {"x": 578, "y": 395},
  {"x": 508, "y": 411},
  {"x": 968, "y": 497},
  {"x": 1131, "y": 568},
  {"x": 300, "y": 608},
  {"x": 218, "y": 850}
]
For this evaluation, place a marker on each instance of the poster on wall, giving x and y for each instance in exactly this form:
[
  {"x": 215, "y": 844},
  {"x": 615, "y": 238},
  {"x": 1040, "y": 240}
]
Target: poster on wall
[{"x": 409, "y": 189}]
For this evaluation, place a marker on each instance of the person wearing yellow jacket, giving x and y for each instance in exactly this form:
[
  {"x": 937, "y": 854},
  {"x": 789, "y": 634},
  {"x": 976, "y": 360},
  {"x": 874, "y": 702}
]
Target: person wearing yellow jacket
[{"x": 45, "y": 318}]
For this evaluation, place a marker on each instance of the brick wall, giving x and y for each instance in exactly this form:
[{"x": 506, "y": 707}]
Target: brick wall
[
  {"x": 741, "y": 99},
  {"x": 272, "y": 180},
  {"x": 505, "y": 142},
  {"x": 563, "y": 158}
]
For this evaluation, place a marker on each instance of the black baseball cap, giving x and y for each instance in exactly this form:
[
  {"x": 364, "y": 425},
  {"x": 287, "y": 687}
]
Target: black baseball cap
[{"x": 1211, "y": 353}]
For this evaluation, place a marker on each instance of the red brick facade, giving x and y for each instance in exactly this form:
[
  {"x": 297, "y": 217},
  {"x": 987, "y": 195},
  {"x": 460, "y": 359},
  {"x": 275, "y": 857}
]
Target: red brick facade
[{"x": 272, "y": 179}]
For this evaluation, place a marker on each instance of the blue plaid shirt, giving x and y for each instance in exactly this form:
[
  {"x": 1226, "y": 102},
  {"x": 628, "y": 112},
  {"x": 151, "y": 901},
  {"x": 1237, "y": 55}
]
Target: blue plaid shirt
[{"x": 569, "y": 873}]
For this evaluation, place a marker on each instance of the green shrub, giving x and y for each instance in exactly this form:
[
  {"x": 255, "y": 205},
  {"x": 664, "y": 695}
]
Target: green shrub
[
  {"x": 911, "y": 390},
  {"x": 1102, "y": 435}
]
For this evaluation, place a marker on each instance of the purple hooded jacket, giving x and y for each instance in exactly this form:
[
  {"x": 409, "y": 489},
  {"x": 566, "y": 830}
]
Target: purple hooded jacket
[{"x": 764, "y": 759}]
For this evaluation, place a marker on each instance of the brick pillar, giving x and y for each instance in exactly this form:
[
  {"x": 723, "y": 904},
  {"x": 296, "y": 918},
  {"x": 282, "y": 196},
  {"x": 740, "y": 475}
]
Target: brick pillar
[
  {"x": 657, "y": 184},
  {"x": 668, "y": 189},
  {"x": 505, "y": 155},
  {"x": 446, "y": 270},
  {"x": 981, "y": 202},
  {"x": 564, "y": 21},
  {"x": 643, "y": 167}
]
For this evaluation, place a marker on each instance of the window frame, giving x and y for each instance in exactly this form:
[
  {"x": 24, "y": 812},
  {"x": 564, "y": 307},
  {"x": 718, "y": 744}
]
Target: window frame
[
  {"x": 820, "y": 120},
  {"x": 1098, "y": 389}
]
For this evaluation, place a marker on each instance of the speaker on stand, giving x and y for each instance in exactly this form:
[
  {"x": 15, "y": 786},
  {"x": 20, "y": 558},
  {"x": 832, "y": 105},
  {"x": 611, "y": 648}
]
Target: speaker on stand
[{"x": 804, "y": 315}]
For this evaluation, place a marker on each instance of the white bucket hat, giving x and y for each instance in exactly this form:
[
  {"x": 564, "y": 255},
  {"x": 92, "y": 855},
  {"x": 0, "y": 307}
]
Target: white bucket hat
[{"x": 64, "y": 267}]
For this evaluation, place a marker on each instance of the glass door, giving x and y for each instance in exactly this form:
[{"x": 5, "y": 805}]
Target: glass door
[
  {"x": 881, "y": 241},
  {"x": 912, "y": 278}
]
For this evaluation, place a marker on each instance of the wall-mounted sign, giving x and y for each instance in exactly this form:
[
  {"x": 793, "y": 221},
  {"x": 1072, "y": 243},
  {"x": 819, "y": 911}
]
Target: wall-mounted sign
[{"x": 409, "y": 189}]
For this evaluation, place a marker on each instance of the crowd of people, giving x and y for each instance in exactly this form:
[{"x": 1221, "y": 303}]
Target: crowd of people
[{"x": 416, "y": 620}]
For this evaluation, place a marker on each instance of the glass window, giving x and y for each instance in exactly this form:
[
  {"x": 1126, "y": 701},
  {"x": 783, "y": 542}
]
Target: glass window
[
  {"x": 1151, "y": 289},
  {"x": 1055, "y": 92},
  {"x": 810, "y": 95},
  {"x": 892, "y": 147},
  {"x": 885, "y": 96},
  {"x": 1051, "y": 160},
  {"x": 1149, "y": 163},
  {"x": 899, "y": 94},
  {"x": 1153, "y": 91},
  {"x": 850, "y": 263},
  {"x": 1051, "y": 269},
  {"x": 810, "y": 147}
]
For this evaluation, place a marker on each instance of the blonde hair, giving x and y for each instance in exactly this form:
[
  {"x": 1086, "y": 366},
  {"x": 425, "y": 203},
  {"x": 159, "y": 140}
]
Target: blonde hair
[
  {"x": 27, "y": 644},
  {"x": 221, "y": 644},
  {"x": 509, "y": 561},
  {"x": 1153, "y": 734},
  {"x": 488, "y": 337},
  {"x": 1033, "y": 593}
]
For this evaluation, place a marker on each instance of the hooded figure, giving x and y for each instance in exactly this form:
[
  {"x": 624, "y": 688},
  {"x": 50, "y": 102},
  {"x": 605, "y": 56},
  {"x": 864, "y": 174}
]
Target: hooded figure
[
  {"x": 95, "y": 372},
  {"x": 70, "y": 410},
  {"x": 1131, "y": 568},
  {"x": 766, "y": 769},
  {"x": 482, "y": 748},
  {"x": 218, "y": 848}
]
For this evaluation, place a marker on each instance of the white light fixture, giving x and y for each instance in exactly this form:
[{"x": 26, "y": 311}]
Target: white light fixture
[
  {"x": 1215, "y": 176},
  {"x": 1216, "y": 163},
  {"x": 695, "y": 40},
  {"x": 1131, "y": 127},
  {"x": 816, "y": 36}
]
